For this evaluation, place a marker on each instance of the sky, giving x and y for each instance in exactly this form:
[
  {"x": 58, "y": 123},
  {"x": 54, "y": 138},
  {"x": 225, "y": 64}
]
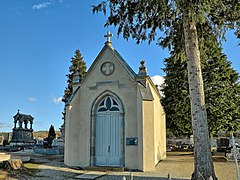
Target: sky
[{"x": 38, "y": 39}]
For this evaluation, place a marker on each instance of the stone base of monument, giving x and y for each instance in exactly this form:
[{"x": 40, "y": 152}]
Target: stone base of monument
[
  {"x": 4, "y": 157},
  {"x": 16, "y": 155},
  {"x": 49, "y": 151},
  {"x": 23, "y": 157}
]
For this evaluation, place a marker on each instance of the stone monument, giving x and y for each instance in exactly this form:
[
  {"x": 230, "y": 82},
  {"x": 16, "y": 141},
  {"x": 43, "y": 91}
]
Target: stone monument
[{"x": 22, "y": 135}]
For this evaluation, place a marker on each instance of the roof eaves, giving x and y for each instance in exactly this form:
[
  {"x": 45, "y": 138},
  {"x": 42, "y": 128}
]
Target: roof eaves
[{"x": 71, "y": 97}]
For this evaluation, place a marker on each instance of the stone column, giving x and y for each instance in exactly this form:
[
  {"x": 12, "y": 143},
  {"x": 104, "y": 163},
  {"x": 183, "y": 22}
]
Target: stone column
[{"x": 25, "y": 125}]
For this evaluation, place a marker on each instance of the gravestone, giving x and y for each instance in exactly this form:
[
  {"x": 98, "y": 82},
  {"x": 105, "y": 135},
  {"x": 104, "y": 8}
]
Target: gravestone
[
  {"x": 58, "y": 143},
  {"x": 222, "y": 144}
]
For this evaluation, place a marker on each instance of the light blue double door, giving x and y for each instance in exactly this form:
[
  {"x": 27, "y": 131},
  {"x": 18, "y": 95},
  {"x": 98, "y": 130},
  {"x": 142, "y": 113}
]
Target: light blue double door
[{"x": 108, "y": 139}]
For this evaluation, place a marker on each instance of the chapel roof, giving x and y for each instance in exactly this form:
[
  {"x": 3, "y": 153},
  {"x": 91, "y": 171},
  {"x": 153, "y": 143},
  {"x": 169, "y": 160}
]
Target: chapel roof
[
  {"x": 142, "y": 74},
  {"x": 108, "y": 45},
  {"x": 71, "y": 97}
]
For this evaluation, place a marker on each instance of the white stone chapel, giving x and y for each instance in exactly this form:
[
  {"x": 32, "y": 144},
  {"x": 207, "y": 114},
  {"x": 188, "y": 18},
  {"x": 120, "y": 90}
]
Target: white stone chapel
[{"x": 114, "y": 118}]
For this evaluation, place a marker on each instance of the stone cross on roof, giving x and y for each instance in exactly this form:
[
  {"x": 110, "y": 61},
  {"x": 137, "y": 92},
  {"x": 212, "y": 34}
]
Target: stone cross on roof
[{"x": 108, "y": 35}]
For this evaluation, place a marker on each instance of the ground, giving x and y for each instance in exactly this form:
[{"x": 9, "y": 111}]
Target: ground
[{"x": 178, "y": 165}]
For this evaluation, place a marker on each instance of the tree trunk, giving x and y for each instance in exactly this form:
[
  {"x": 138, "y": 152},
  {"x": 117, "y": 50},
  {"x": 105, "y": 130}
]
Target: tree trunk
[{"x": 203, "y": 165}]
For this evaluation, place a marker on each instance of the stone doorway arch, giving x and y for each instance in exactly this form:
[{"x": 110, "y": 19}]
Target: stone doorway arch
[{"x": 107, "y": 131}]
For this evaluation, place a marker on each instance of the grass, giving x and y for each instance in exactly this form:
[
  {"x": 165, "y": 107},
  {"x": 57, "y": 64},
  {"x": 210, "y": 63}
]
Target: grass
[{"x": 31, "y": 165}]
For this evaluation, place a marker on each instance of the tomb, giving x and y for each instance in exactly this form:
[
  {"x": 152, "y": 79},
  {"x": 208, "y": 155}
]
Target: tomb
[{"x": 22, "y": 134}]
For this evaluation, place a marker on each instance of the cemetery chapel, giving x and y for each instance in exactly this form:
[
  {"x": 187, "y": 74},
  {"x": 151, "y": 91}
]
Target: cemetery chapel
[{"x": 114, "y": 117}]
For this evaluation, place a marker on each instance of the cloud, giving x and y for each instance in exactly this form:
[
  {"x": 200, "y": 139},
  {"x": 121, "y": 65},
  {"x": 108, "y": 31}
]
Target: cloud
[
  {"x": 31, "y": 99},
  {"x": 57, "y": 100},
  {"x": 5, "y": 125},
  {"x": 45, "y": 4},
  {"x": 41, "y": 5},
  {"x": 158, "y": 80}
]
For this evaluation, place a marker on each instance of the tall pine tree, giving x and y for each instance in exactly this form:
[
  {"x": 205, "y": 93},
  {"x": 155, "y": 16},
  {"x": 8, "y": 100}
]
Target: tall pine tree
[
  {"x": 142, "y": 20},
  {"x": 219, "y": 78},
  {"x": 77, "y": 66}
]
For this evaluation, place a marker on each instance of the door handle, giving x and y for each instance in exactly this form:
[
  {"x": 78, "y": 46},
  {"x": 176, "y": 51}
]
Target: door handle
[{"x": 109, "y": 149}]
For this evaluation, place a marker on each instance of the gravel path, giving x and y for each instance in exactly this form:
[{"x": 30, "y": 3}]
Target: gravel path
[{"x": 179, "y": 167}]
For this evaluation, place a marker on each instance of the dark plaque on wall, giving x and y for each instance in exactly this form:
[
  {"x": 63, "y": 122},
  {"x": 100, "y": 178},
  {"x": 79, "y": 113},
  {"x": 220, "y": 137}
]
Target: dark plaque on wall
[{"x": 131, "y": 141}]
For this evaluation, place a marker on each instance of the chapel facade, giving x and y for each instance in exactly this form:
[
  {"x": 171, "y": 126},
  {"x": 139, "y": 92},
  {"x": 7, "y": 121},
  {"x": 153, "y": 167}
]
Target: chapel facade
[
  {"x": 114, "y": 117},
  {"x": 22, "y": 134}
]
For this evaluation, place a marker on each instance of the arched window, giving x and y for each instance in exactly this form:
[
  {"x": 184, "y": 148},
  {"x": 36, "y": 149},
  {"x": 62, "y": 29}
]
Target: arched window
[{"x": 108, "y": 104}]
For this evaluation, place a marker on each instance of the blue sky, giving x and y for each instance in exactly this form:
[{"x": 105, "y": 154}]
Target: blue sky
[{"x": 38, "y": 39}]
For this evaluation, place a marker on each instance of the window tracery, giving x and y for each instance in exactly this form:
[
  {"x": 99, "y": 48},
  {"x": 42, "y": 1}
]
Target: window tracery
[{"x": 108, "y": 104}]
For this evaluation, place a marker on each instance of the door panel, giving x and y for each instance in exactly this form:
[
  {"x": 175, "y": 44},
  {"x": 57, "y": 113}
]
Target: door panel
[
  {"x": 108, "y": 139},
  {"x": 115, "y": 141},
  {"x": 101, "y": 141}
]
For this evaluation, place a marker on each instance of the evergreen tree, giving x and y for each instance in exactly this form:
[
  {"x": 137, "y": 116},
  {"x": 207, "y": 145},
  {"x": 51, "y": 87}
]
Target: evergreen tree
[
  {"x": 141, "y": 20},
  {"x": 51, "y": 136},
  {"x": 51, "y": 132},
  {"x": 176, "y": 101},
  {"x": 219, "y": 81},
  {"x": 78, "y": 65}
]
